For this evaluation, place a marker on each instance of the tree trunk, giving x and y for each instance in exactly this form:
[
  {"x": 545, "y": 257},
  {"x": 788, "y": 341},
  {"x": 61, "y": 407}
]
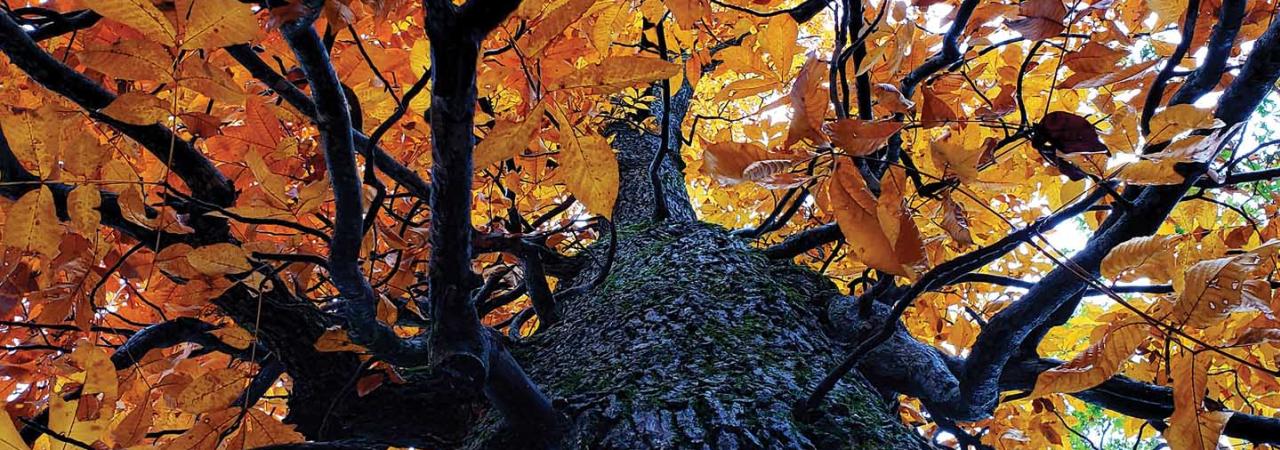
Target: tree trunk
[{"x": 696, "y": 340}]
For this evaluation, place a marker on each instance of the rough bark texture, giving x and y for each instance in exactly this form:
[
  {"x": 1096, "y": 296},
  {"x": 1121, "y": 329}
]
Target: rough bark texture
[{"x": 697, "y": 340}]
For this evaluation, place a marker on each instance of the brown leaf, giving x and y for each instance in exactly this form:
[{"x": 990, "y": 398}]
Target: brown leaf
[
  {"x": 1041, "y": 19},
  {"x": 808, "y": 104}
]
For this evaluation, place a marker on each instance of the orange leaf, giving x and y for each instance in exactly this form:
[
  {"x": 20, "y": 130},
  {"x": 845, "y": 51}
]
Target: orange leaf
[
  {"x": 32, "y": 225},
  {"x": 860, "y": 137}
]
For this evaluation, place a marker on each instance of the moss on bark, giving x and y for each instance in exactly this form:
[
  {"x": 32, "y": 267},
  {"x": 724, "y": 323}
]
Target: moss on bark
[{"x": 698, "y": 341}]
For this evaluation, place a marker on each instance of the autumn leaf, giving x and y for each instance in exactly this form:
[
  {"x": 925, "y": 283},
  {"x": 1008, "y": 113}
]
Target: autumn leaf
[
  {"x": 133, "y": 428},
  {"x": 778, "y": 40},
  {"x": 82, "y": 206},
  {"x": 552, "y": 25},
  {"x": 141, "y": 15},
  {"x": 687, "y": 12},
  {"x": 1062, "y": 134},
  {"x": 955, "y": 160},
  {"x": 1178, "y": 119},
  {"x": 235, "y": 336},
  {"x": 618, "y": 72},
  {"x": 215, "y": 23},
  {"x": 881, "y": 232},
  {"x": 1213, "y": 289},
  {"x": 137, "y": 108},
  {"x": 213, "y": 391},
  {"x": 728, "y": 161},
  {"x": 889, "y": 97},
  {"x": 219, "y": 259},
  {"x": 774, "y": 174},
  {"x": 1192, "y": 426},
  {"x": 591, "y": 171},
  {"x": 955, "y": 221},
  {"x": 1095, "y": 364},
  {"x": 808, "y": 104},
  {"x": 336, "y": 340},
  {"x": 1041, "y": 19},
  {"x": 1141, "y": 257},
  {"x": 858, "y": 137},
  {"x": 934, "y": 111},
  {"x": 31, "y": 140},
  {"x": 508, "y": 139},
  {"x": 9, "y": 437},
  {"x": 131, "y": 59},
  {"x": 31, "y": 223},
  {"x": 261, "y": 430}
]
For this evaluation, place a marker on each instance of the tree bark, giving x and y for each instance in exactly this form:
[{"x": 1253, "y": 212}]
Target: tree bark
[{"x": 696, "y": 340}]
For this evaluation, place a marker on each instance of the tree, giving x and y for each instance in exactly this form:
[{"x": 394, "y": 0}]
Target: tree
[{"x": 671, "y": 224}]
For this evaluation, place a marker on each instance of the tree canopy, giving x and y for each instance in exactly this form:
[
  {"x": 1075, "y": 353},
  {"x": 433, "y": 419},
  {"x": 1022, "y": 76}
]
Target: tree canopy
[{"x": 244, "y": 224}]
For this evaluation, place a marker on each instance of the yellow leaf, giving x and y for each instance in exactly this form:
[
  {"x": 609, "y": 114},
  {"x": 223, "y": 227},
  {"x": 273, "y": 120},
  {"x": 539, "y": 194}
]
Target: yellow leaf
[
  {"x": 262, "y": 430},
  {"x": 336, "y": 340},
  {"x": 1141, "y": 257},
  {"x": 31, "y": 223},
  {"x": 9, "y": 437},
  {"x": 420, "y": 58},
  {"x": 1192, "y": 426},
  {"x": 508, "y": 139},
  {"x": 954, "y": 158},
  {"x": 1178, "y": 119},
  {"x": 778, "y": 39},
  {"x": 216, "y": 23},
  {"x": 31, "y": 141},
  {"x": 552, "y": 25},
  {"x": 137, "y": 108},
  {"x": 590, "y": 169},
  {"x": 214, "y": 390},
  {"x": 130, "y": 60},
  {"x": 607, "y": 25},
  {"x": 1213, "y": 289},
  {"x": 82, "y": 206},
  {"x": 133, "y": 428},
  {"x": 1167, "y": 10},
  {"x": 141, "y": 15},
  {"x": 615, "y": 73},
  {"x": 881, "y": 233},
  {"x": 86, "y": 418},
  {"x": 1095, "y": 364},
  {"x": 219, "y": 259},
  {"x": 1151, "y": 172}
]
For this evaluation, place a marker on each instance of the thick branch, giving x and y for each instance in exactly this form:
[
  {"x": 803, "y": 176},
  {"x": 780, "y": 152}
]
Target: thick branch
[
  {"x": 1156, "y": 92},
  {"x": 1221, "y": 41},
  {"x": 942, "y": 275},
  {"x": 333, "y": 120}
]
